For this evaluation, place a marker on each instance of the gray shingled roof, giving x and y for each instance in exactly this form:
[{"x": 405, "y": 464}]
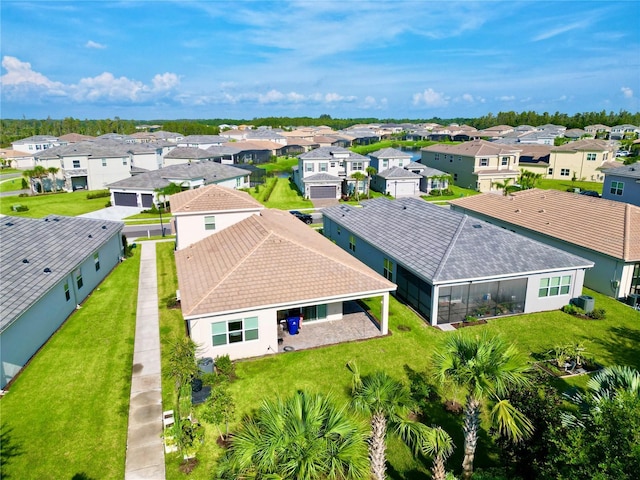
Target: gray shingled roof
[
  {"x": 630, "y": 171},
  {"x": 325, "y": 153},
  {"x": 212, "y": 172},
  {"x": 442, "y": 245},
  {"x": 322, "y": 177},
  {"x": 397, "y": 172},
  {"x": 188, "y": 152},
  {"x": 389, "y": 153},
  {"x": 55, "y": 242}
]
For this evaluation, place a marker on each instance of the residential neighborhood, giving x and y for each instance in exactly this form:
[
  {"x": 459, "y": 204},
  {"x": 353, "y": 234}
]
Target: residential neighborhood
[{"x": 296, "y": 256}]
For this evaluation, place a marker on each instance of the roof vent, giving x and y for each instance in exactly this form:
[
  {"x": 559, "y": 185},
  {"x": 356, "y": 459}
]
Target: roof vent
[
  {"x": 477, "y": 226},
  {"x": 46, "y": 219},
  {"x": 47, "y": 271},
  {"x": 517, "y": 210},
  {"x": 25, "y": 260},
  {"x": 90, "y": 236},
  {"x": 541, "y": 210},
  {"x": 104, "y": 227},
  {"x": 9, "y": 224}
]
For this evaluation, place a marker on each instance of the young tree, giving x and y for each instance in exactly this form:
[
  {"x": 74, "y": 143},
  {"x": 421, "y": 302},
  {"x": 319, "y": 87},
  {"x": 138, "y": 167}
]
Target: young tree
[
  {"x": 306, "y": 437},
  {"x": 486, "y": 367},
  {"x": 388, "y": 402},
  {"x": 30, "y": 175},
  {"x": 182, "y": 365},
  {"x": 371, "y": 171},
  {"x": 505, "y": 186},
  {"x": 437, "y": 444},
  {"x": 358, "y": 177},
  {"x": 53, "y": 171}
]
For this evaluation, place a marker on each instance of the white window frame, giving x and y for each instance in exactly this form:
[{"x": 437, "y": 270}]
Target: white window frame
[
  {"x": 617, "y": 188},
  {"x": 554, "y": 286},
  {"x": 228, "y": 332},
  {"x": 210, "y": 222},
  {"x": 565, "y": 172},
  {"x": 484, "y": 162}
]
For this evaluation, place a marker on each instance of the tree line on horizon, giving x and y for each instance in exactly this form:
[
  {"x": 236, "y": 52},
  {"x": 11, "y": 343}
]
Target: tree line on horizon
[{"x": 16, "y": 129}]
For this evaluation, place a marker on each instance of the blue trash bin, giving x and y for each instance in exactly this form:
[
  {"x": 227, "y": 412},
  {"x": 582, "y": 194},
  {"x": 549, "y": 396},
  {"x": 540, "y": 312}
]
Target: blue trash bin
[{"x": 293, "y": 324}]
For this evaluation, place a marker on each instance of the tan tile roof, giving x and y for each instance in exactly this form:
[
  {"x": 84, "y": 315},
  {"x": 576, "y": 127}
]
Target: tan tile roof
[
  {"x": 605, "y": 226},
  {"x": 268, "y": 259},
  {"x": 473, "y": 148},
  {"x": 212, "y": 198},
  {"x": 588, "y": 144}
]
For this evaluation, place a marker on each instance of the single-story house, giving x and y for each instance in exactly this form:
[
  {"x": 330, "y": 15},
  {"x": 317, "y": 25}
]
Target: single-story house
[
  {"x": 432, "y": 178},
  {"x": 239, "y": 284},
  {"x": 449, "y": 266},
  {"x": 48, "y": 267},
  {"x": 140, "y": 190},
  {"x": 207, "y": 210},
  {"x": 397, "y": 181},
  {"x": 603, "y": 231}
]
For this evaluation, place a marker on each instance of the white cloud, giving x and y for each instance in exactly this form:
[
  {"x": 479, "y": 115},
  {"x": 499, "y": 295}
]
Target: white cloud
[
  {"x": 21, "y": 81},
  {"x": 627, "y": 92},
  {"x": 507, "y": 98},
  {"x": 165, "y": 81},
  {"x": 430, "y": 98},
  {"x": 92, "y": 44}
]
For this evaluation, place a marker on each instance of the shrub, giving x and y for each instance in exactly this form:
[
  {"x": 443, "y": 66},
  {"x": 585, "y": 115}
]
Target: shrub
[
  {"x": 108, "y": 204},
  {"x": 597, "y": 314},
  {"x": 20, "y": 208},
  {"x": 571, "y": 309},
  {"x": 24, "y": 195},
  {"x": 225, "y": 367},
  {"x": 98, "y": 194}
]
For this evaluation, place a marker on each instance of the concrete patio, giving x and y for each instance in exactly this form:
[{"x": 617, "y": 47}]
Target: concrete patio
[{"x": 356, "y": 324}]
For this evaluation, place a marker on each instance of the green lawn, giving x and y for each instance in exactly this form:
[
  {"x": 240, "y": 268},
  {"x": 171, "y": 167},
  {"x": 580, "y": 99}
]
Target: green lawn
[
  {"x": 4, "y": 171},
  {"x": 457, "y": 193},
  {"x": 66, "y": 415},
  {"x": 282, "y": 164},
  {"x": 284, "y": 195},
  {"x": 70, "y": 204},
  {"x": 563, "y": 185},
  {"x": 11, "y": 185}
]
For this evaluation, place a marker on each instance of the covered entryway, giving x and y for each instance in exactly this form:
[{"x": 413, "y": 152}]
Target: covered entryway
[
  {"x": 125, "y": 199},
  {"x": 322, "y": 191}
]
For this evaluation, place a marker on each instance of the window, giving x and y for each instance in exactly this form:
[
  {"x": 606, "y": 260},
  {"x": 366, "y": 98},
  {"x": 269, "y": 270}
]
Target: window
[
  {"x": 238, "y": 182},
  {"x": 323, "y": 167},
  {"x": 79, "y": 282},
  {"x": 210, "y": 222},
  {"x": 484, "y": 162},
  {"x": 124, "y": 161},
  {"x": 550, "y": 172},
  {"x": 234, "y": 331},
  {"x": 308, "y": 167},
  {"x": 96, "y": 260},
  {"x": 400, "y": 163},
  {"x": 617, "y": 188},
  {"x": 314, "y": 312},
  {"x": 450, "y": 158},
  {"x": 436, "y": 156},
  {"x": 459, "y": 158},
  {"x": 385, "y": 164},
  {"x": 76, "y": 164},
  {"x": 357, "y": 166},
  {"x": 104, "y": 162},
  {"x": 388, "y": 269},
  {"x": 564, "y": 172},
  {"x": 591, "y": 157},
  {"x": 455, "y": 177},
  {"x": 67, "y": 294},
  {"x": 352, "y": 243},
  {"x": 333, "y": 164},
  {"x": 504, "y": 161},
  {"x": 554, "y": 286}
]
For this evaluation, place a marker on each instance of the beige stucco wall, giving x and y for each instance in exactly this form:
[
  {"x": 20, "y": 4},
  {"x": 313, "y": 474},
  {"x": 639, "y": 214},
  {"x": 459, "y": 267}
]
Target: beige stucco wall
[{"x": 577, "y": 162}]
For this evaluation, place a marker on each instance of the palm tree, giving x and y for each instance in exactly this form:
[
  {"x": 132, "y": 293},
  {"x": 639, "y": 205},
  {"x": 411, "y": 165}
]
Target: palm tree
[
  {"x": 53, "y": 172},
  {"x": 486, "y": 367},
  {"x": 388, "y": 402},
  {"x": 40, "y": 172},
  {"x": 29, "y": 175},
  {"x": 505, "y": 185},
  {"x": 438, "y": 444},
  {"x": 609, "y": 381},
  {"x": 306, "y": 437},
  {"x": 358, "y": 177},
  {"x": 371, "y": 171},
  {"x": 529, "y": 179}
]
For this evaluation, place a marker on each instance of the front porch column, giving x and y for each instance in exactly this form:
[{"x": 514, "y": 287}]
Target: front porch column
[{"x": 384, "y": 320}]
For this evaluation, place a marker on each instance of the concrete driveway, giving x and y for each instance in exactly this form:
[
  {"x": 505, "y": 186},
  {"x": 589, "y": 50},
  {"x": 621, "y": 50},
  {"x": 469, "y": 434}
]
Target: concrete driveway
[{"x": 113, "y": 213}]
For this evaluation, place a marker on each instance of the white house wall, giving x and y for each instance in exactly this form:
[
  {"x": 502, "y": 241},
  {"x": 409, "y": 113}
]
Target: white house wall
[
  {"x": 534, "y": 303},
  {"x": 191, "y": 228}
]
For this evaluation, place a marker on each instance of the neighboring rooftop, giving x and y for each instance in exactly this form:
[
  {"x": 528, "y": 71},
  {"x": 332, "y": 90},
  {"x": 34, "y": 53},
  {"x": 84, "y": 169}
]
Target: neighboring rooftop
[
  {"x": 605, "y": 226},
  {"x": 390, "y": 153},
  {"x": 629, "y": 171},
  {"x": 472, "y": 148},
  {"x": 31, "y": 245},
  {"x": 211, "y": 172},
  {"x": 442, "y": 245},
  {"x": 268, "y": 259},
  {"x": 212, "y": 198}
]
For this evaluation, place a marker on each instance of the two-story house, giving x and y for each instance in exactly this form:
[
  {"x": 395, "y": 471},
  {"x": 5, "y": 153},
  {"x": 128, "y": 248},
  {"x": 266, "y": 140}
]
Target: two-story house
[
  {"x": 389, "y": 157},
  {"x": 621, "y": 131},
  {"x": 327, "y": 172},
  {"x": 36, "y": 143},
  {"x": 581, "y": 159},
  {"x": 477, "y": 164},
  {"x": 622, "y": 184}
]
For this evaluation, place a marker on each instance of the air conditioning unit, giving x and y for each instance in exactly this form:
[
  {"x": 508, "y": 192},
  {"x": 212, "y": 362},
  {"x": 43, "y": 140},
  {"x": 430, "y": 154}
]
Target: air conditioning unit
[
  {"x": 585, "y": 302},
  {"x": 634, "y": 300}
]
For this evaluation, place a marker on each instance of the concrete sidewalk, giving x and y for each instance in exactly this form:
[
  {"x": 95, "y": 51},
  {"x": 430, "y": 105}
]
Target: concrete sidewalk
[{"x": 145, "y": 448}]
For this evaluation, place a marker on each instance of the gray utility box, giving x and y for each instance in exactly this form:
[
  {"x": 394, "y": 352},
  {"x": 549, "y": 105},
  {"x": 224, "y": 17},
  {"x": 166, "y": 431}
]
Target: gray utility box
[
  {"x": 634, "y": 300},
  {"x": 585, "y": 302},
  {"x": 206, "y": 365}
]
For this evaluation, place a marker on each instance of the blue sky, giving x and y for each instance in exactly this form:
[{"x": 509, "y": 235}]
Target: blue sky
[{"x": 352, "y": 58}]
